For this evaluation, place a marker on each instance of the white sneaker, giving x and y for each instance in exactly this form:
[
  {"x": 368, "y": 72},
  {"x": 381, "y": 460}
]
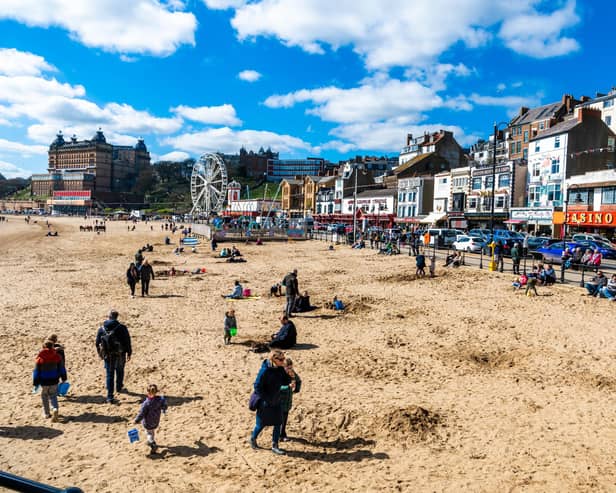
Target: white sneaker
[{"x": 54, "y": 415}]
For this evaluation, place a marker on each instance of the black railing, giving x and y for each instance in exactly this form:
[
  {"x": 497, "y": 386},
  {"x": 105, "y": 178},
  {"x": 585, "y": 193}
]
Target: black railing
[{"x": 17, "y": 483}]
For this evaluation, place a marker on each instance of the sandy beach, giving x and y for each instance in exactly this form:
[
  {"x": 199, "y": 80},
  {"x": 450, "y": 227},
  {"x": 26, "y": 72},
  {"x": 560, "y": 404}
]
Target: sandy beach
[{"x": 455, "y": 383}]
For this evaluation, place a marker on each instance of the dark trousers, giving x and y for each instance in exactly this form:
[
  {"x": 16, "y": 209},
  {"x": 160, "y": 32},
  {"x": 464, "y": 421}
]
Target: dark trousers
[
  {"x": 114, "y": 367},
  {"x": 290, "y": 304},
  {"x": 516, "y": 266},
  {"x": 283, "y": 426},
  {"x": 145, "y": 287},
  {"x": 132, "y": 287}
]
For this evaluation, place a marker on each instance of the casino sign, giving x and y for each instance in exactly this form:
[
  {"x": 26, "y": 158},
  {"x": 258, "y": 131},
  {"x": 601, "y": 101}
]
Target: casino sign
[{"x": 591, "y": 219}]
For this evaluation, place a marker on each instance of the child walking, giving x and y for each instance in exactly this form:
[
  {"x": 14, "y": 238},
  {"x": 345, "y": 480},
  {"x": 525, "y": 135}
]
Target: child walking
[
  {"x": 149, "y": 414},
  {"x": 230, "y": 323},
  {"x": 48, "y": 371},
  {"x": 286, "y": 397}
]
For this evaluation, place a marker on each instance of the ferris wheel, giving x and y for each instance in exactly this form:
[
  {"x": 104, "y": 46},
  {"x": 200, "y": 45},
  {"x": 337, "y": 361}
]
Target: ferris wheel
[{"x": 208, "y": 184}]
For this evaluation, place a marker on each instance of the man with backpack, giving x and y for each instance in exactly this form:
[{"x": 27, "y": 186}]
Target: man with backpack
[
  {"x": 292, "y": 291},
  {"x": 114, "y": 347}
]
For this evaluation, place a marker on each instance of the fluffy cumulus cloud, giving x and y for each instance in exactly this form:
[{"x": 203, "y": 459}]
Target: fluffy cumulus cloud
[
  {"x": 402, "y": 33},
  {"x": 212, "y": 115},
  {"x": 10, "y": 170},
  {"x": 224, "y": 4},
  {"x": 173, "y": 156},
  {"x": 249, "y": 75},
  {"x": 138, "y": 26},
  {"x": 22, "y": 149},
  {"x": 14, "y": 62},
  {"x": 227, "y": 140}
]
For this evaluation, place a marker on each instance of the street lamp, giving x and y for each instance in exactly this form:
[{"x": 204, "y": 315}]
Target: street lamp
[
  {"x": 496, "y": 129},
  {"x": 355, "y": 202}
]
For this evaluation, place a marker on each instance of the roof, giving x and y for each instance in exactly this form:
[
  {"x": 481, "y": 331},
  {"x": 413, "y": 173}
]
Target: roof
[
  {"x": 560, "y": 128},
  {"x": 535, "y": 114},
  {"x": 417, "y": 159},
  {"x": 378, "y": 192},
  {"x": 292, "y": 181}
]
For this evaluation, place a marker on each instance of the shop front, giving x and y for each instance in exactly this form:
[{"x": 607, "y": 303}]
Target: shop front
[{"x": 533, "y": 219}]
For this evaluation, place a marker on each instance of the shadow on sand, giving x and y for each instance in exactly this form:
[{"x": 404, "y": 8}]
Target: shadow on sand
[
  {"x": 336, "y": 444},
  {"x": 199, "y": 450},
  {"x": 95, "y": 418},
  {"x": 29, "y": 432}
]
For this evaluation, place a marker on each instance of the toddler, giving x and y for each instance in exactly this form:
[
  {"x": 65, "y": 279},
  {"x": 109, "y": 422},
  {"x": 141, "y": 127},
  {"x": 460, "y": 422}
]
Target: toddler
[
  {"x": 47, "y": 373},
  {"x": 149, "y": 415},
  {"x": 230, "y": 323}
]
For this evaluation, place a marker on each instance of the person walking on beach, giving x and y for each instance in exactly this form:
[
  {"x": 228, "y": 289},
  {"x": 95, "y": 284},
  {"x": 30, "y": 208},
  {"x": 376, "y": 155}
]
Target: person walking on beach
[
  {"x": 270, "y": 379},
  {"x": 146, "y": 273},
  {"x": 230, "y": 324},
  {"x": 515, "y": 258},
  {"x": 149, "y": 415},
  {"x": 114, "y": 347},
  {"x": 286, "y": 397},
  {"x": 291, "y": 290},
  {"x": 48, "y": 371},
  {"x": 132, "y": 277}
]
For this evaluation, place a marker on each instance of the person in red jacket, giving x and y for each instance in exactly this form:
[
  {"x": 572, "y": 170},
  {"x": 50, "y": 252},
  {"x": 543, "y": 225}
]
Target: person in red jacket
[{"x": 47, "y": 373}]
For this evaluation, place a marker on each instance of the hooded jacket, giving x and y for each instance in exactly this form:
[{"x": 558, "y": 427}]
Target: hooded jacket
[
  {"x": 48, "y": 369},
  {"x": 121, "y": 333},
  {"x": 149, "y": 413}
]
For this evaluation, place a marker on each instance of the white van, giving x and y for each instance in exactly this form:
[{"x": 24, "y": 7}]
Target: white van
[{"x": 443, "y": 236}]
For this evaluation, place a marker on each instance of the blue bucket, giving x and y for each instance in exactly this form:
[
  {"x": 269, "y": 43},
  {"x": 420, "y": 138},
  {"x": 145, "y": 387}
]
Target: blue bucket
[
  {"x": 133, "y": 435},
  {"x": 63, "y": 388}
]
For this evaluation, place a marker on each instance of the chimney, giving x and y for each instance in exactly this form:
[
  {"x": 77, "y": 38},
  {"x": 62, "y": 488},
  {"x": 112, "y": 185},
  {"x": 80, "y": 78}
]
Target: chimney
[
  {"x": 585, "y": 113},
  {"x": 523, "y": 110},
  {"x": 409, "y": 138}
]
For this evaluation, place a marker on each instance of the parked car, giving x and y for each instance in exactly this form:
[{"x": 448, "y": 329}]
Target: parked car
[
  {"x": 484, "y": 233},
  {"x": 607, "y": 250},
  {"x": 552, "y": 254},
  {"x": 468, "y": 243},
  {"x": 589, "y": 237},
  {"x": 535, "y": 242}
]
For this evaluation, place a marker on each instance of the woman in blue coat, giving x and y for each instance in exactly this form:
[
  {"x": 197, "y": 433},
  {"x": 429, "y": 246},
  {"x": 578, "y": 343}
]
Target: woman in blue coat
[{"x": 271, "y": 377}]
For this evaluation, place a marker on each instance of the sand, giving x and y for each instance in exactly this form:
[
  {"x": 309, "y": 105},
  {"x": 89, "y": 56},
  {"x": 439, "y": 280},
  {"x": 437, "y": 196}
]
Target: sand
[{"x": 448, "y": 384}]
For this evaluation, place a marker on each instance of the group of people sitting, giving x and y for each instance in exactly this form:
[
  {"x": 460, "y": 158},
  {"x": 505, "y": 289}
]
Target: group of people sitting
[
  {"x": 230, "y": 252},
  {"x": 590, "y": 258},
  {"x": 540, "y": 275},
  {"x": 454, "y": 259},
  {"x": 600, "y": 287},
  {"x": 389, "y": 249}
]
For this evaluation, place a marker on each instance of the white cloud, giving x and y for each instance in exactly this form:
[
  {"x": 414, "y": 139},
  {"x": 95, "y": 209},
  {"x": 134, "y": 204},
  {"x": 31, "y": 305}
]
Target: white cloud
[
  {"x": 23, "y": 89},
  {"x": 377, "y": 99},
  {"x": 540, "y": 35},
  {"x": 174, "y": 156},
  {"x": 249, "y": 75},
  {"x": 213, "y": 115},
  {"x": 227, "y": 140},
  {"x": 14, "y": 62},
  {"x": 23, "y": 149},
  {"x": 9, "y": 170},
  {"x": 137, "y": 26},
  {"x": 223, "y": 4},
  {"x": 402, "y": 33}
]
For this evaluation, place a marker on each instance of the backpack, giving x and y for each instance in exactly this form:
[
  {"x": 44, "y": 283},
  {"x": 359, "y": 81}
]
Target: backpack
[{"x": 110, "y": 344}]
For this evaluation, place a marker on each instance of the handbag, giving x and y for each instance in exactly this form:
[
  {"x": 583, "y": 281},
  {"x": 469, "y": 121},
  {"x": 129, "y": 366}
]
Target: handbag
[{"x": 253, "y": 402}]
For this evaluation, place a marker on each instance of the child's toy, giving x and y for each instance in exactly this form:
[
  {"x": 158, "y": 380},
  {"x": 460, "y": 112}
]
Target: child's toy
[
  {"x": 63, "y": 388},
  {"x": 133, "y": 435},
  {"x": 233, "y": 331}
]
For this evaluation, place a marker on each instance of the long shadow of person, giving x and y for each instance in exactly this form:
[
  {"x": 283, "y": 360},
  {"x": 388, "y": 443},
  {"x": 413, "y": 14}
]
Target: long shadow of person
[
  {"x": 199, "y": 450},
  {"x": 95, "y": 418},
  {"x": 349, "y": 443},
  {"x": 29, "y": 432},
  {"x": 355, "y": 456}
]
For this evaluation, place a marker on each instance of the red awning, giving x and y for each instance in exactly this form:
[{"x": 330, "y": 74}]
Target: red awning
[{"x": 514, "y": 221}]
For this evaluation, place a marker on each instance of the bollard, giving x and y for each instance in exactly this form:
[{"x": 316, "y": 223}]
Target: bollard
[
  {"x": 582, "y": 279},
  {"x": 481, "y": 258}
]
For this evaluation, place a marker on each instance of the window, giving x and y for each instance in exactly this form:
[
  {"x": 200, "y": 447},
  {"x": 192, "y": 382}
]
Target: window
[
  {"x": 476, "y": 183},
  {"x": 400, "y": 198},
  {"x": 472, "y": 202},
  {"x": 541, "y": 125},
  {"x": 608, "y": 104},
  {"x": 557, "y": 141},
  {"x": 608, "y": 120},
  {"x": 400, "y": 211},
  {"x": 534, "y": 194},
  {"x": 554, "y": 192},
  {"x": 411, "y": 196},
  {"x": 503, "y": 180},
  {"x": 525, "y": 154},
  {"x": 512, "y": 148},
  {"x": 500, "y": 202},
  {"x": 518, "y": 145},
  {"x": 442, "y": 181},
  {"x": 489, "y": 181},
  {"x": 608, "y": 195},
  {"x": 525, "y": 135},
  {"x": 537, "y": 147},
  {"x": 581, "y": 197},
  {"x": 555, "y": 169}
]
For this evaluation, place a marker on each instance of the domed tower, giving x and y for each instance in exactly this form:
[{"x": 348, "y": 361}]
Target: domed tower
[
  {"x": 233, "y": 191},
  {"x": 140, "y": 145},
  {"x": 99, "y": 137},
  {"x": 59, "y": 141}
]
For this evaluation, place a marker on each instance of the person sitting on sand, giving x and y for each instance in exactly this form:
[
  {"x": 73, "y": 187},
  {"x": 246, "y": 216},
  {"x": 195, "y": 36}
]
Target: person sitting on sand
[
  {"x": 520, "y": 282},
  {"x": 276, "y": 290},
  {"x": 548, "y": 275},
  {"x": 453, "y": 260},
  {"x": 235, "y": 252},
  {"x": 237, "y": 292},
  {"x": 225, "y": 252},
  {"x": 259, "y": 242},
  {"x": 286, "y": 337},
  {"x": 302, "y": 303}
]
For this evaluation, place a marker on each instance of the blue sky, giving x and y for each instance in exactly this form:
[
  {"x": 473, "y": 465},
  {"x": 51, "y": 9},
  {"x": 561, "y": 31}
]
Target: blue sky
[{"x": 304, "y": 77}]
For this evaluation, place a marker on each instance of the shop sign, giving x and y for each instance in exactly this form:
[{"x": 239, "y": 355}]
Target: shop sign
[
  {"x": 488, "y": 171},
  {"x": 591, "y": 218},
  {"x": 531, "y": 214}
]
